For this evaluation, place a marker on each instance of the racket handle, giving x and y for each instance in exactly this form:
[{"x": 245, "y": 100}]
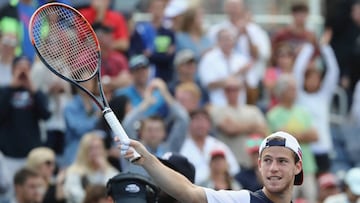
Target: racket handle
[{"x": 119, "y": 130}]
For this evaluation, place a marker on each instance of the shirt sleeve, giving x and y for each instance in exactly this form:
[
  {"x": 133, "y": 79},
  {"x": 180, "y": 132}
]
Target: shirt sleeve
[{"x": 227, "y": 196}]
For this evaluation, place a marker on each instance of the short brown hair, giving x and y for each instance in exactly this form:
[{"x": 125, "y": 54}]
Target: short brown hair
[
  {"x": 299, "y": 7},
  {"x": 22, "y": 175}
]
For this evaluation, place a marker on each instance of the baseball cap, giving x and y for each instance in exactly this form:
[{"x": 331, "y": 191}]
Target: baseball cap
[
  {"x": 131, "y": 187},
  {"x": 217, "y": 153},
  {"x": 180, "y": 164},
  {"x": 288, "y": 141},
  {"x": 175, "y": 8},
  {"x": 352, "y": 179},
  {"x": 327, "y": 180},
  {"x": 253, "y": 143},
  {"x": 184, "y": 56},
  {"x": 138, "y": 61}
]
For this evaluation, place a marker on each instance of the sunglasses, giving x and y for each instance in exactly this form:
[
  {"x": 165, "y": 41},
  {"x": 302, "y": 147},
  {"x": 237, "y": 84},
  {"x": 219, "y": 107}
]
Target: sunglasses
[{"x": 49, "y": 162}]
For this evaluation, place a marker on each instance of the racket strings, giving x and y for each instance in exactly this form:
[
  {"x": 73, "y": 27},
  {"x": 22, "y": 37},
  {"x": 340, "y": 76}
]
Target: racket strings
[{"x": 66, "y": 42}]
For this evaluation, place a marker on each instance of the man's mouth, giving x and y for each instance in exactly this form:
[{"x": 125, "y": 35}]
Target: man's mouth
[{"x": 274, "y": 178}]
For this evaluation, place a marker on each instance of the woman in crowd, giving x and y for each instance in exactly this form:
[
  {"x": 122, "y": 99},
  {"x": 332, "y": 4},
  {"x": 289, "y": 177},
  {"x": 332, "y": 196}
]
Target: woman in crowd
[
  {"x": 90, "y": 167},
  {"x": 42, "y": 160}
]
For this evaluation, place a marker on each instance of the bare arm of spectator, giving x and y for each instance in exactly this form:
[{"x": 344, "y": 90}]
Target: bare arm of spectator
[
  {"x": 331, "y": 78},
  {"x": 301, "y": 63}
]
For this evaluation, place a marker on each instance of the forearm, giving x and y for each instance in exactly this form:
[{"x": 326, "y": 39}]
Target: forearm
[
  {"x": 307, "y": 136},
  {"x": 121, "y": 45}
]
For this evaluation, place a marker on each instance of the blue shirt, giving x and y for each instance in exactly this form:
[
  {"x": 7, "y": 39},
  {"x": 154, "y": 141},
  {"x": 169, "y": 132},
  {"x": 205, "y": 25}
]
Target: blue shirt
[
  {"x": 78, "y": 122},
  {"x": 159, "y": 108}
]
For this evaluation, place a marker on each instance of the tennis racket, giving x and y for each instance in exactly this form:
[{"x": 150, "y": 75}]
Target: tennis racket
[{"x": 66, "y": 43}]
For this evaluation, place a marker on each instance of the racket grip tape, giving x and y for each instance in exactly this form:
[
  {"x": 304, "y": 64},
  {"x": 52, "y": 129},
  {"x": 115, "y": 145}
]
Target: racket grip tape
[{"x": 119, "y": 131}]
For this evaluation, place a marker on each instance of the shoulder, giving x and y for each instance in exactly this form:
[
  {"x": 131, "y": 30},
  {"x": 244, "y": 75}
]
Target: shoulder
[{"x": 227, "y": 196}]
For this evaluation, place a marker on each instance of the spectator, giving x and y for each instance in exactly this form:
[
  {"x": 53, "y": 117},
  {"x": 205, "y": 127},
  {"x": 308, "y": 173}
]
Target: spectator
[
  {"x": 199, "y": 144},
  {"x": 186, "y": 68},
  {"x": 8, "y": 42},
  {"x": 317, "y": 86},
  {"x": 157, "y": 134},
  {"x": 235, "y": 122},
  {"x": 351, "y": 192},
  {"x": 188, "y": 95},
  {"x": 252, "y": 41},
  {"x": 59, "y": 94},
  {"x": 282, "y": 62},
  {"x": 15, "y": 18},
  {"x": 90, "y": 167},
  {"x": 99, "y": 13},
  {"x": 221, "y": 63},
  {"x": 179, "y": 164},
  {"x": 191, "y": 34},
  {"x": 296, "y": 34},
  {"x": 22, "y": 107},
  {"x": 290, "y": 117},
  {"x": 219, "y": 178},
  {"x": 328, "y": 185},
  {"x": 96, "y": 194},
  {"x": 344, "y": 41},
  {"x": 29, "y": 186},
  {"x": 249, "y": 178},
  {"x": 114, "y": 65},
  {"x": 155, "y": 41},
  {"x": 42, "y": 160},
  {"x": 174, "y": 14},
  {"x": 139, "y": 69}
]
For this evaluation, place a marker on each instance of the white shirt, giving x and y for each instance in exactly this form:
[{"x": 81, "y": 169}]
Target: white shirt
[
  {"x": 227, "y": 196},
  {"x": 318, "y": 103},
  {"x": 201, "y": 158},
  {"x": 214, "y": 67},
  {"x": 259, "y": 37}
]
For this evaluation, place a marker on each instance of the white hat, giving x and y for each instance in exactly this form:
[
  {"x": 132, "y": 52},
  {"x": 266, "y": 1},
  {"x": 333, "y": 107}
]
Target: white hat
[
  {"x": 175, "y": 8},
  {"x": 352, "y": 179},
  {"x": 287, "y": 141}
]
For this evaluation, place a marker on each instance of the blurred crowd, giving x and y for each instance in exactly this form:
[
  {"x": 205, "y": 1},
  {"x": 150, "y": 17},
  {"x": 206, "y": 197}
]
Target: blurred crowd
[{"x": 208, "y": 95}]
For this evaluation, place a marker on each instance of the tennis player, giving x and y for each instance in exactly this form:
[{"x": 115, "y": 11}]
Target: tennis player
[{"x": 280, "y": 165}]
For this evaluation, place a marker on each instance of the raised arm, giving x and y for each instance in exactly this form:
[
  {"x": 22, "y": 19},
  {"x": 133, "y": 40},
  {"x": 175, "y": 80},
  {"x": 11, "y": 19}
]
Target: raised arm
[
  {"x": 331, "y": 77},
  {"x": 167, "y": 179},
  {"x": 301, "y": 63}
]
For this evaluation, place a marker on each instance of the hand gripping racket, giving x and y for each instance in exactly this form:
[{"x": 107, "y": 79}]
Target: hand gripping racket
[{"x": 66, "y": 43}]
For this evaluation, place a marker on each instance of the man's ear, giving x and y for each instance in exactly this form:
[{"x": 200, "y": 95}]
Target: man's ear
[
  {"x": 298, "y": 166},
  {"x": 259, "y": 162}
]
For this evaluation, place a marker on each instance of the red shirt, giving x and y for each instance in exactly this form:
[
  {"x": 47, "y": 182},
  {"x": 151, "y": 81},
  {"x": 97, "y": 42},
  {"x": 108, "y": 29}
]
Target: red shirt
[
  {"x": 112, "y": 19},
  {"x": 113, "y": 64}
]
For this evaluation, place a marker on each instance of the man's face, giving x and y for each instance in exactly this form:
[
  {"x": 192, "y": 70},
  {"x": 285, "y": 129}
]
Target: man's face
[
  {"x": 32, "y": 191},
  {"x": 300, "y": 17},
  {"x": 153, "y": 133},
  {"x": 278, "y": 169},
  {"x": 200, "y": 125},
  {"x": 141, "y": 76}
]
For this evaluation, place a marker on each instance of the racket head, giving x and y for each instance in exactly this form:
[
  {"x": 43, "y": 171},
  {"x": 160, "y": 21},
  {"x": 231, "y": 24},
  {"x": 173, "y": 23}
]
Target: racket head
[{"x": 65, "y": 41}]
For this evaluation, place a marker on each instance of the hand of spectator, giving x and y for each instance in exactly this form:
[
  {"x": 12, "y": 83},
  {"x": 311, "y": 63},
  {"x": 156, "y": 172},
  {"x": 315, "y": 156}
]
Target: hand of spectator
[
  {"x": 345, "y": 82},
  {"x": 149, "y": 99},
  {"x": 326, "y": 37},
  {"x": 243, "y": 70},
  {"x": 242, "y": 23},
  {"x": 57, "y": 88},
  {"x": 159, "y": 84}
]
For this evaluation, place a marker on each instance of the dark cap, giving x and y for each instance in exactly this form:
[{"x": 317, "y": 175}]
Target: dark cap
[
  {"x": 131, "y": 187},
  {"x": 138, "y": 61},
  {"x": 100, "y": 27},
  {"x": 180, "y": 164}
]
